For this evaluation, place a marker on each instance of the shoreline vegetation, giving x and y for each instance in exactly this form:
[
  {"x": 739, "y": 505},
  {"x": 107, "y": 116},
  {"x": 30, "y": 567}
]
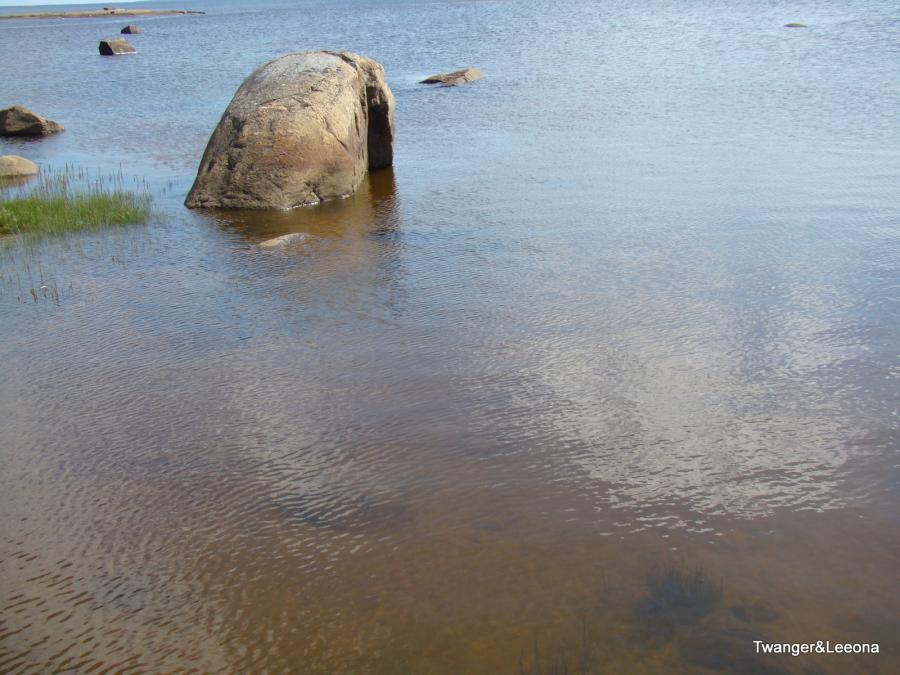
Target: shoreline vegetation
[
  {"x": 94, "y": 13},
  {"x": 70, "y": 201}
]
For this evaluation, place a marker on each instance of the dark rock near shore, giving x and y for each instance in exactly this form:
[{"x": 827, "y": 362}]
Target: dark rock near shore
[
  {"x": 19, "y": 121},
  {"x": 131, "y": 29},
  {"x": 456, "y": 77},
  {"x": 116, "y": 46},
  {"x": 300, "y": 130}
]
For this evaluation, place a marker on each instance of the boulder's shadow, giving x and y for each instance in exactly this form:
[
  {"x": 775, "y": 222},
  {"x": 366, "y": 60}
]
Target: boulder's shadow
[{"x": 372, "y": 209}]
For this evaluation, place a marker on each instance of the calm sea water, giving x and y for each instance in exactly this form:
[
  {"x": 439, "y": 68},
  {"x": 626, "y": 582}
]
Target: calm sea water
[{"x": 602, "y": 377}]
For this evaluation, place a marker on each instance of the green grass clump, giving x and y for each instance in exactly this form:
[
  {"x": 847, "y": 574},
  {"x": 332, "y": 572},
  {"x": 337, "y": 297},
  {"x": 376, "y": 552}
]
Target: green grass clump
[{"x": 69, "y": 201}]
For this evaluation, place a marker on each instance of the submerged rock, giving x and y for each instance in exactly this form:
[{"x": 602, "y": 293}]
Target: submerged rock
[
  {"x": 300, "y": 130},
  {"x": 283, "y": 240},
  {"x": 454, "y": 78},
  {"x": 116, "y": 46},
  {"x": 795, "y": 25},
  {"x": 131, "y": 29},
  {"x": 19, "y": 121},
  {"x": 13, "y": 166}
]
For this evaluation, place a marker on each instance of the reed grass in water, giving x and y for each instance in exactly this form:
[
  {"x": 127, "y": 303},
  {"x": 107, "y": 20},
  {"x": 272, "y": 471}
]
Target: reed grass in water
[{"x": 69, "y": 201}]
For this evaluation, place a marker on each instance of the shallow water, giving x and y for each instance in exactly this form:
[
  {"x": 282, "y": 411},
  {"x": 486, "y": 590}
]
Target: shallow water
[{"x": 625, "y": 310}]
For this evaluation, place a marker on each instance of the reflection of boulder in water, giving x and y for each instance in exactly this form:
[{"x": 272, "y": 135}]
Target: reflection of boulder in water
[
  {"x": 370, "y": 210},
  {"x": 677, "y": 597},
  {"x": 359, "y": 513}
]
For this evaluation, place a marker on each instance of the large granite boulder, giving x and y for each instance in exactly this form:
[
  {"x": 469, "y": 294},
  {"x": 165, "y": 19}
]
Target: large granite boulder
[
  {"x": 115, "y": 47},
  {"x": 456, "y": 77},
  {"x": 301, "y": 129},
  {"x": 131, "y": 29},
  {"x": 19, "y": 121},
  {"x": 13, "y": 166}
]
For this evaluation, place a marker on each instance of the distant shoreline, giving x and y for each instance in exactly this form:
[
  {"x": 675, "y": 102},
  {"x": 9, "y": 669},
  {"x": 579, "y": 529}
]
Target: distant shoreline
[{"x": 93, "y": 13}]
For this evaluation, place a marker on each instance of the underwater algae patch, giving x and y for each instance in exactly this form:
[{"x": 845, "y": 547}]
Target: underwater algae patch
[{"x": 677, "y": 597}]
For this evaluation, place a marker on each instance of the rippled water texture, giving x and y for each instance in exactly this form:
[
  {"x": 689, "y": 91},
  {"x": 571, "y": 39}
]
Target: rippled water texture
[{"x": 602, "y": 377}]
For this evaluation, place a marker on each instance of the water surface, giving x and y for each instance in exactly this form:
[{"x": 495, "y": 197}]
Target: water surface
[{"x": 624, "y": 312}]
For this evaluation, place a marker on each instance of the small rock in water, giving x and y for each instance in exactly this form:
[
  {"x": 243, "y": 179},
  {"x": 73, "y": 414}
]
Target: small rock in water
[
  {"x": 13, "y": 166},
  {"x": 283, "y": 240},
  {"x": 795, "y": 25},
  {"x": 131, "y": 29},
  {"x": 19, "y": 121},
  {"x": 116, "y": 46},
  {"x": 454, "y": 78}
]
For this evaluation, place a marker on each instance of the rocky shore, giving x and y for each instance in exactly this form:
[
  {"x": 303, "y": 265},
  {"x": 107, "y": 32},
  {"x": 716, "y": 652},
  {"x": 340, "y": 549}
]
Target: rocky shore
[{"x": 93, "y": 13}]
